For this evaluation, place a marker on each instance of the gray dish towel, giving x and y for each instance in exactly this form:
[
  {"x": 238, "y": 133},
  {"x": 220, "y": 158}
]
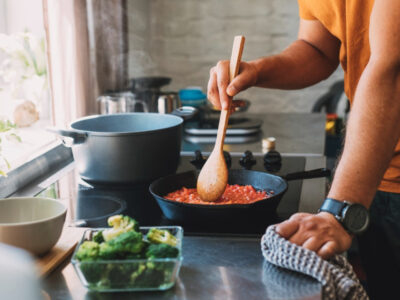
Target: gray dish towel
[{"x": 336, "y": 274}]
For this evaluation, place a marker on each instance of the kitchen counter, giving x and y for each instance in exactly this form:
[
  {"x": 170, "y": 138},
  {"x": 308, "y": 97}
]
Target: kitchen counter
[
  {"x": 213, "y": 268},
  {"x": 301, "y": 134},
  {"x": 223, "y": 267}
]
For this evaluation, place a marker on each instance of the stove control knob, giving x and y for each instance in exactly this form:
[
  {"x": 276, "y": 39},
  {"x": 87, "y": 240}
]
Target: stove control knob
[
  {"x": 272, "y": 157},
  {"x": 247, "y": 160},
  {"x": 272, "y": 168},
  {"x": 272, "y": 161},
  {"x": 228, "y": 159},
  {"x": 199, "y": 160}
]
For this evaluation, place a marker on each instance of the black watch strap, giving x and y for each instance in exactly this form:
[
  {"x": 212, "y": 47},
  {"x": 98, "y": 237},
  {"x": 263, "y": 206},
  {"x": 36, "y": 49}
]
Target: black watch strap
[
  {"x": 335, "y": 207},
  {"x": 354, "y": 217}
]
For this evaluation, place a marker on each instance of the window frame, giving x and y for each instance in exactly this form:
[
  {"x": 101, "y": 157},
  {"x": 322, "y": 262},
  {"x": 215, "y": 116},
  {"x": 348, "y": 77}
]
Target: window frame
[{"x": 37, "y": 169}]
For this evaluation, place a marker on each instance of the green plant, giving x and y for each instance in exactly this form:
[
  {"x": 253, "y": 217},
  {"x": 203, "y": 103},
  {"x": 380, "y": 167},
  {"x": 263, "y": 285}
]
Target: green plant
[
  {"x": 23, "y": 76},
  {"x": 24, "y": 70}
]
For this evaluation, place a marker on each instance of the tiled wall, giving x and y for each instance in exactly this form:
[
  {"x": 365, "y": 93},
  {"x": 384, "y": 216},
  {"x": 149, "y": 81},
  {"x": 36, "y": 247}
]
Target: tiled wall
[{"x": 183, "y": 39}]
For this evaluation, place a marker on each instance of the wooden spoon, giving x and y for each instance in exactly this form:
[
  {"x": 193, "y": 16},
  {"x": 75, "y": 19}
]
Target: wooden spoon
[{"x": 213, "y": 177}]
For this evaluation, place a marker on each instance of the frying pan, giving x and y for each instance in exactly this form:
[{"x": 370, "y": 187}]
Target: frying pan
[{"x": 275, "y": 186}]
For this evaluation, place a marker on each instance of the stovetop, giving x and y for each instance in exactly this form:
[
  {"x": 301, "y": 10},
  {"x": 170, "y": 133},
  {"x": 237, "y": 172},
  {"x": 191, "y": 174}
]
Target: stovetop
[
  {"x": 237, "y": 126},
  {"x": 90, "y": 205}
]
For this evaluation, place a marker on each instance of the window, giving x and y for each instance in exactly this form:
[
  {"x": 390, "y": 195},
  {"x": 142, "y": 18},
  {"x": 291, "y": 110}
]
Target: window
[{"x": 25, "y": 105}]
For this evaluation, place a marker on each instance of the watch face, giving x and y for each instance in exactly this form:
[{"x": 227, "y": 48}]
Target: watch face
[{"x": 356, "y": 218}]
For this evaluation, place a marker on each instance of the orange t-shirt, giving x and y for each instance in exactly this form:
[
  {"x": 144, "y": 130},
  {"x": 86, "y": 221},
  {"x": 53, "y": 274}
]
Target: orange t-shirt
[{"x": 349, "y": 22}]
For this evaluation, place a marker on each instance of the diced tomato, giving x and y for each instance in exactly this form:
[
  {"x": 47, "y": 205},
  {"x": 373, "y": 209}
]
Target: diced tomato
[{"x": 234, "y": 194}]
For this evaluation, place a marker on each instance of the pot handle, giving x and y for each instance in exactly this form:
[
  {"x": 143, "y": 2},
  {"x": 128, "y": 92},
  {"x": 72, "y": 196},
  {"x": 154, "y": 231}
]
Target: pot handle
[
  {"x": 69, "y": 137},
  {"x": 185, "y": 112},
  {"x": 315, "y": 173}
]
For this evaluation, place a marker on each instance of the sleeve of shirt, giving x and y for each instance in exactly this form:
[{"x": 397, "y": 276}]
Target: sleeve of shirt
[{"x": 304, "y": 11}]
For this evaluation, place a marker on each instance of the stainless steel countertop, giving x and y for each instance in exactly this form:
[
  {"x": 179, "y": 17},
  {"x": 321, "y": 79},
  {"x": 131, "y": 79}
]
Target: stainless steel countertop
[
  {"x": 213, "y": 268},
  {"x": 216, "y": 267},
  {"x": 300, "y": 134}
]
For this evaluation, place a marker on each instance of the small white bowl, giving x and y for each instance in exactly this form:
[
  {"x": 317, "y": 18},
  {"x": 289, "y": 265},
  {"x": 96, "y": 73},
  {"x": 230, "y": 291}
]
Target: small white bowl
[{"x": 34, "y": 224}]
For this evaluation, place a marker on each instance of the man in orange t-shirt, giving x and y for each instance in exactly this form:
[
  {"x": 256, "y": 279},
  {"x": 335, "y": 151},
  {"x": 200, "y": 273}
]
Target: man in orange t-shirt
[{"x": 364, "y": 37}]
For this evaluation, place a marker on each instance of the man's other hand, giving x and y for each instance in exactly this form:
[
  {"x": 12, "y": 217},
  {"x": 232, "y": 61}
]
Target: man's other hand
[{"x": 321, "y": 233}]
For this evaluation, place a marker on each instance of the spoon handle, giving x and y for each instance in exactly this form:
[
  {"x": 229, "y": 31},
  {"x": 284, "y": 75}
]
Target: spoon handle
[
  {"x": 236, "y": 56},
  {"x": 237, "y": 50}
]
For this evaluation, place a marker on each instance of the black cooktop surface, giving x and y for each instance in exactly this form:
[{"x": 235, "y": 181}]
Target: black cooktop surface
[{"x": 91, "y": 205}]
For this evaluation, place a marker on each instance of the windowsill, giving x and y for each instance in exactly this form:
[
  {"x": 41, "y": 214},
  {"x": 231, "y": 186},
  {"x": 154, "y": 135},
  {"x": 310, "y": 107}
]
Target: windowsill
[
  {"x": 39, "y": 155},
  {"x": 35, "y": 141}
]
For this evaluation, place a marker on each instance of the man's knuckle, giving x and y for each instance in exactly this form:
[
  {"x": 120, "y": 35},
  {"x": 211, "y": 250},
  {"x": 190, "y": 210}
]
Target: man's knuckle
[
  {"x": 234, "y": 87},
  {"x": 331, "y": 248},
  {"x": 294, "y": 217},
  {"x": 297, "y": 216},
  {"x": 310, "y": 225},
  {"x": 328, "y": 252},
  {"x": 222, "y": 82},
  {"x": 220, "y": 63}
]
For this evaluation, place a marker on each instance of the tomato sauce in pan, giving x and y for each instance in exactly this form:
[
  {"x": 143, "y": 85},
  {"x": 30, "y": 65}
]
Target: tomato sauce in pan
[{"x": 234, "y": 194}]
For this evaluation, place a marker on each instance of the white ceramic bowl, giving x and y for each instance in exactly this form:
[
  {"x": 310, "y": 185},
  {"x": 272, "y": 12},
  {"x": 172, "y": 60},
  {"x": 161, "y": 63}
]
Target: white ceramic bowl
[{"x": 34, "y": 224}]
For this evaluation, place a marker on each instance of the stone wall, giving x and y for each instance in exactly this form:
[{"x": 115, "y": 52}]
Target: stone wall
[{"x": 183, "y": 39}]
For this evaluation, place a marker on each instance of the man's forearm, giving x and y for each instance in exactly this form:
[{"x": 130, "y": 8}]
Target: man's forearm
[
  {"x": 299, "y": 66},
  {"x": 372, "y": 133}
]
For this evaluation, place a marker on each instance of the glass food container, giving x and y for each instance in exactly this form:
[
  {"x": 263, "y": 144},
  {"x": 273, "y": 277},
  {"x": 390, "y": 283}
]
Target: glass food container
[{"x": 125, "y": 275}]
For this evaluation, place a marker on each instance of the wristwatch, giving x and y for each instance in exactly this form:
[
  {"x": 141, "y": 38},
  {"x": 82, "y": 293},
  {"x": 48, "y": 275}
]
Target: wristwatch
[{"x": 354, "y": 217}]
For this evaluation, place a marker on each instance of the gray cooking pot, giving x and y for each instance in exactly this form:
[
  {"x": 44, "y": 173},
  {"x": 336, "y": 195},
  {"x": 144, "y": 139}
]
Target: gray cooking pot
[{"x": 124, "y": 148}]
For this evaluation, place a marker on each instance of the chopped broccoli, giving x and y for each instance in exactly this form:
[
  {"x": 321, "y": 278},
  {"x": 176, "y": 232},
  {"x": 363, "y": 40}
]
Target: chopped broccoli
[
  {"x": 88, "y": 251},
  {"x": 120, "y": 224},
  {"x": 126, "y": 244},
  {"x": 98, "y": 237},
  {"x": 134, "y": 256},
  {"x": 118, "y": 274},
  {"x": 141, "y": 254},
  {"x": 161, "y": 236},
  {"x": 147, "y": 275},
  {"x": 124, "y": 241},
  {"x": 141, "y": 268},
  {"x": 150, "y": 277},
  {"x": 107, "y": 251},
  {"x": 93, "y": 272},
  {"x": 161, "y": 251}
]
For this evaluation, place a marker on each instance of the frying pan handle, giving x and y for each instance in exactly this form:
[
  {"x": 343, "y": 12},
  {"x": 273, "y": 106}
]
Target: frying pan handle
[
  {"x": 70, "y": 137},
  {"x": 316, "y": 173}
]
